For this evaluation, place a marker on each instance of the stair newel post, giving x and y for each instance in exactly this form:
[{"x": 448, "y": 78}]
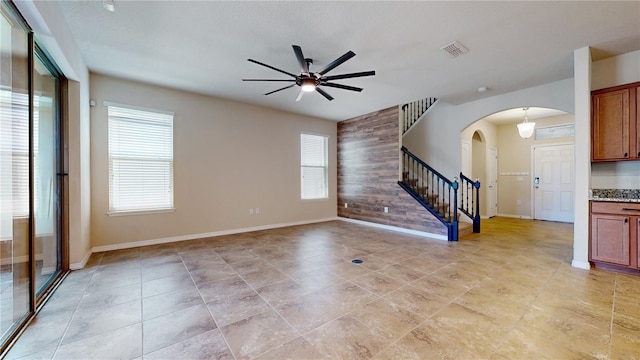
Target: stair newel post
[
  {"x": 454, "y": 224},
  {"x": 476, "y": 219}
]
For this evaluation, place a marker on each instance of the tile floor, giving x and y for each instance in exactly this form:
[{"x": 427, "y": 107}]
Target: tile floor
[{"x": 293, "y": 293}]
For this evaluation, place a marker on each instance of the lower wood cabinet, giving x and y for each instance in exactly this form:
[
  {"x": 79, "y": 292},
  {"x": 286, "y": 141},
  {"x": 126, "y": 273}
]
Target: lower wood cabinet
[{"x": 615, "y": 234}]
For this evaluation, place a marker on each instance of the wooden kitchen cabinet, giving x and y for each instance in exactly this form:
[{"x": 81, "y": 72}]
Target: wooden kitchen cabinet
[
  {"x": 615, "y": 235},
  {"x": 615, "y": 123},
  {"x": 610, "y": 239}
]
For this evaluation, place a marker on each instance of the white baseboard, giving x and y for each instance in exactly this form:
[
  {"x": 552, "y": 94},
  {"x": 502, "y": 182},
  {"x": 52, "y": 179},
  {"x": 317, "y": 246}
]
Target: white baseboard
[
  {"x": 515, "y": 216},
  {"x": 171, "y": 239},
  {"x": 397, "y": 229},
  {"x": 82, "y": 263},
  {"x": 581, "y": 264}
]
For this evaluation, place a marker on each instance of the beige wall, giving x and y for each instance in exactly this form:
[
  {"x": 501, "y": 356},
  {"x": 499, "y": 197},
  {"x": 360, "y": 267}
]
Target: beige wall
[
  {"x": 486, "y": 138},
  {"x": 514, "y": 165},
  {"x": 228, "y": 157}
]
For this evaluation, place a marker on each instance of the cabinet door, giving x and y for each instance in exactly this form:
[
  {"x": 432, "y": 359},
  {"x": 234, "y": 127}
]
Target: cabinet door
[
  {"x": 638, "y": 240},
  {"x": 637, "y": 128},
  {"x": 610, "y": 238},
  {"x": 610, "y": 126}
]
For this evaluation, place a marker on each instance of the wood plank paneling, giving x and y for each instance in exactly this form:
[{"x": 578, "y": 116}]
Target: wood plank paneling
[{"x": 368, "y": 161}]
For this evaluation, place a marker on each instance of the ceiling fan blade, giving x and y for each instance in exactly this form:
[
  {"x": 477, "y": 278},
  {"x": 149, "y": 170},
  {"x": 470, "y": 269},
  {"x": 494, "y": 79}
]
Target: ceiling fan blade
[
  {"x": 271, "y": 67},
  {"x": 303, "y": 63},
  {"x": 268, "y": 80},
  {"x": 340, "y": 86},
  {"x": 348, "y": 76},
  {"x": 300, "y": 95},
  {"x": 337, "y": 62},
  {"x": 323, "y": 93},
  {"x": 284, "y": 88}
]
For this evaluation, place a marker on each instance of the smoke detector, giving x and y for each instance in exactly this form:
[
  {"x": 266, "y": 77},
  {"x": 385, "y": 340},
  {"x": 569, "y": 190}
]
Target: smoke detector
[{"x": 455, "y": 49}]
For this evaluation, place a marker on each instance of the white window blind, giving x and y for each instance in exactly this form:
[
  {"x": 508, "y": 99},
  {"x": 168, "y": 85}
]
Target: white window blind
[
  {"x": 314, "y": 166},
  {"x": 14, "y": 152},
  {"x": 140, "y": 160}
]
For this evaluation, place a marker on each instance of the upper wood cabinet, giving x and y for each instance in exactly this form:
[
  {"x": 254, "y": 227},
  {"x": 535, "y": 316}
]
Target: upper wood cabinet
[{"x": 615, "y": 125}]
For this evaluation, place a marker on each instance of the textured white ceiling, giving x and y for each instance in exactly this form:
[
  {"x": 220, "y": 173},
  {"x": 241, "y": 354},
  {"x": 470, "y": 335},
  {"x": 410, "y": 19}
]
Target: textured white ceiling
[{"x": 203, "y": 46}]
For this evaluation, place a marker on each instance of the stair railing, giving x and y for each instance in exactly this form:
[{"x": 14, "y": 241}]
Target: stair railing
[
  {"x": 432, "y": 190},
  {"x": 470, "y": 200},
  {"x": 411, "y": 112}
]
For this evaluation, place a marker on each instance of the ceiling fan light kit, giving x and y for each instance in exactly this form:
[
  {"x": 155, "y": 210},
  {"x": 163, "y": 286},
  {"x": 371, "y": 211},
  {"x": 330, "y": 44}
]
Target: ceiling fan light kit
[{"x": 309, "y": 81}]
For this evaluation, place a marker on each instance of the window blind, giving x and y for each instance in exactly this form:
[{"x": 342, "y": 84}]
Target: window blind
[
  {"x": 314, "y": 166},
  {"x": 14, "y": 151},
  {"x": 140, "y": 160}
]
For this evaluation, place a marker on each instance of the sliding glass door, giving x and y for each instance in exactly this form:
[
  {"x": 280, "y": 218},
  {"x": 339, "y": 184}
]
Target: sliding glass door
[
  {"x": 47, "y": 173},
  {"x": 15, "y": 219},
  {"x": 31, "y": 175}
]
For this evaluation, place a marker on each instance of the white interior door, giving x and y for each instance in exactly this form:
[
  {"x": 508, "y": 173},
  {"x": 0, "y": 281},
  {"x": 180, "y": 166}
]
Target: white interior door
[
  {"x": 553, "y": 180},
  {"x": 492, "y": 182},
  {"x": 465, "y": 158}
]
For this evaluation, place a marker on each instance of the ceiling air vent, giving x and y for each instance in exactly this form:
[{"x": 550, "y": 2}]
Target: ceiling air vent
[{"x": 454, "y": 49}]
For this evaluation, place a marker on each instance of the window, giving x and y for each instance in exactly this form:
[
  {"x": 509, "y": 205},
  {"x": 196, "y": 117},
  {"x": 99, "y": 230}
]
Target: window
[
  {"x": 140, "y": 160},
  {"x": 313, "y": 166}
]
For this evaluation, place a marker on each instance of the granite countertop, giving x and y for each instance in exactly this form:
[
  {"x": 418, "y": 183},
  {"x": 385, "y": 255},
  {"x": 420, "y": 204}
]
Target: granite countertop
[{"x": 618, "y": 195}]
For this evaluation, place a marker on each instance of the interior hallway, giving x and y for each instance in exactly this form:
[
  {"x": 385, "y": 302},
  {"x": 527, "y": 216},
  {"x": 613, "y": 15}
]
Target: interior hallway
[{"x": 293, "y": 293}]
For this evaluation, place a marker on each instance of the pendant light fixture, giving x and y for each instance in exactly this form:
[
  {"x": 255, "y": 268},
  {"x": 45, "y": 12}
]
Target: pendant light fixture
[{"x": 525, "y": 129}]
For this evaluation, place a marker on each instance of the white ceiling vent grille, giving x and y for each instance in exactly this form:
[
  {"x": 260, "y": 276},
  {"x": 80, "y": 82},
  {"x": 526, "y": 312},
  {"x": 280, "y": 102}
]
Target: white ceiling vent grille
[{"x": 454, "y": 49}]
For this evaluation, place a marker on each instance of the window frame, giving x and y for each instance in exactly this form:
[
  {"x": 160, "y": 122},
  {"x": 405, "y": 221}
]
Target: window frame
[
  {"x": 325, "y": 167},
  {"x": 141, "y": 210}
]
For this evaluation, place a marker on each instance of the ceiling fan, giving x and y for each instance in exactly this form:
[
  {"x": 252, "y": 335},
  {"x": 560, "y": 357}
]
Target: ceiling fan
[{"x": 309, "y": 81}]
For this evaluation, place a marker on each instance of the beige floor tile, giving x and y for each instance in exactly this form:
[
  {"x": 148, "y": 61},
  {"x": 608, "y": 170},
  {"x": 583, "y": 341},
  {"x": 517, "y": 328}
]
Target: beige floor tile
[
  {"x": 386, "y": 318},
  {"x": 420, "y": 302},
  {"x": 263, "y": 277},
  {"x": 307, "y": 312},
  {"x": 124, "y": 343},
  {"x": 213, "y": 273},
  {"x": 347, "y": 296},
  {"x": 177, "y": 326},
  {"x": 257, "y": 334},
  {"x": 507, "y": 293},
  {"x": 297, "y": 349},
  {"x": 154, "y": 306},
  {"x": 440, "y": 286},
  {"x": 208, "y": 345},
  {"x": 220, "y": 289},
  {"x": 427, "y": 341},
  {"x": 523, "y": 343},
  {"x": 402, "y": 273},
  {"x": 94, "y": 322},
  {"x": 279, "y": 292},
  {"x": 346, "y": 338},
  {"x": 167, "y": 284},
  {"x": 237, "y": 307},
  {"x": 378, "y": 284}
]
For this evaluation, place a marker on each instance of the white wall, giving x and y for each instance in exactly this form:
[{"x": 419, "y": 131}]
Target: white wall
[
  {"x": 616, "y": 70},
  {"x": 228, "y": 157},
  {"x": 436, "y": 138},
  {"x": 515, "y": 168}
]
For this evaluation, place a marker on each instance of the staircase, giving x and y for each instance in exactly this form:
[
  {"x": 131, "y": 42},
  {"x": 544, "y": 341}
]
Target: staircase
[
  {"x": 413, "y": 111},
  {"x": 436, "y": 193},
  {"x": 433, "y": 191}
]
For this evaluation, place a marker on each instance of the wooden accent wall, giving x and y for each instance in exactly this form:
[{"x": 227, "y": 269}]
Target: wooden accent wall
[{"x": 368, "y": 174}]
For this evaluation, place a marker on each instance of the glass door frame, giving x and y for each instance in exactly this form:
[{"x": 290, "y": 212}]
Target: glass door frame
[
  {"x": 61, "y": 174},
  {"x": 37, "y": 301}
]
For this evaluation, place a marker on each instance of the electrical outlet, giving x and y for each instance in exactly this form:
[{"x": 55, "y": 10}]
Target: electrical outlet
[
  {"x": 386, "y": 209},
  {"x": 518, "y": 202},
  {"x": 257, "y": 211},
  {"x": 346, "y": 205},
  {"x": 251, "y": 211}
]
